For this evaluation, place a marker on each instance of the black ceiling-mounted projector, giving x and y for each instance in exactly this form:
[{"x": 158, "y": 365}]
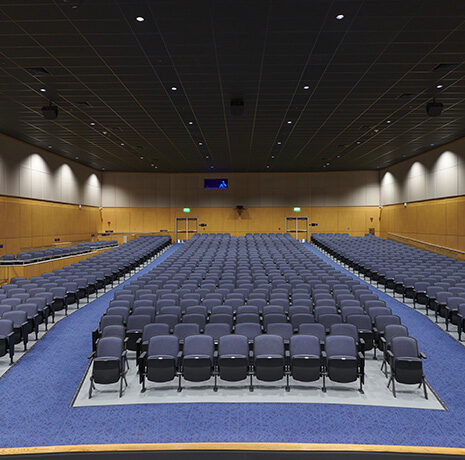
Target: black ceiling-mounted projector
[
  {"x": 237, "y": 106},
  {"x": 50, "y": 112},
  {"x": 433, "y": 108}
]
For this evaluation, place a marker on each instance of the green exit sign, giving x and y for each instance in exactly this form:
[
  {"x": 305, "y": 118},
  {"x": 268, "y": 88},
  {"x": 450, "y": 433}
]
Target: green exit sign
[
  {"x": 296, "y": 209},
  {"x": 187, "y": 210}
]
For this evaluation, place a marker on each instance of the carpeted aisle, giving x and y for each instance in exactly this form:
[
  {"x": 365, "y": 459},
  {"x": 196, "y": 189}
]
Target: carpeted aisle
[{"x": 37, "y": 392}]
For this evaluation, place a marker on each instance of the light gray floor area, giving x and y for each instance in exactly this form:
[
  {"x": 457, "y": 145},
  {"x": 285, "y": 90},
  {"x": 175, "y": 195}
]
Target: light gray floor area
[
  {"x": 376, "y": 392},
  {"x": 59, "y": 315}
]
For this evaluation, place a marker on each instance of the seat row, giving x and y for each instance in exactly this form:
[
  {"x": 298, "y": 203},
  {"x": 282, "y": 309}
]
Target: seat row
[{"x": 27, "y": 303}]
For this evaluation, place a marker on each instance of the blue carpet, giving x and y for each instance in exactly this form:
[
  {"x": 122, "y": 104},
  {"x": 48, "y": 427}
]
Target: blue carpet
[{"x": 36, "y": 394}]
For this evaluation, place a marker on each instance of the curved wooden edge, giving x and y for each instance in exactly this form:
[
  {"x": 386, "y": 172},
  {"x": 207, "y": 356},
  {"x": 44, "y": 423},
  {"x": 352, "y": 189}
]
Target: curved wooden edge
[{"x": 231, "y": 446}]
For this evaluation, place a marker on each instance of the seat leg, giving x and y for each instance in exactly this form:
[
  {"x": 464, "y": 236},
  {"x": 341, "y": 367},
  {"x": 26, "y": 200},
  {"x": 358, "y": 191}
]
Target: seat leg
[
  {"x": 142, "y": 378},
  {"x": 361, "y": 385},
  {"x": 179, "y": 383},
  {"x": 424, "y": 388},
  {"x": 393, "y": 387},
  {"x": 215, "y": 386},
  {"x": 251, "y": 382},
  {"x": 324, "y": 382},
  {"x": 121, "y": 386},
  {"x": 91, "y": 387},
  {"x": 288, "y": 388}
]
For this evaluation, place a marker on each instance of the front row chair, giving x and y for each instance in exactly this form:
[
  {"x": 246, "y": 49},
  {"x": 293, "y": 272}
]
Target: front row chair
[
  {"x": 343, "y": 363},
  {"x": 7, "y": 339},
  {"x": 406, "y": 363},
  {"x": 305, "y": 359},
  {"x": 109, "y": 363}
]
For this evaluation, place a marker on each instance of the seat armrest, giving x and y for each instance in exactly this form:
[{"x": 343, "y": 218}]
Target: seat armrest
[
  {"x": 324, "y": 355},
  {"x": 92, "y": 355},
  {"x": 375, "y": 330},
  {"x": 422, "y": 356},
  {"x": 143, "y": 356},
  {"x": 390, "y": 354},
  {"x": 383, "y": 340}
]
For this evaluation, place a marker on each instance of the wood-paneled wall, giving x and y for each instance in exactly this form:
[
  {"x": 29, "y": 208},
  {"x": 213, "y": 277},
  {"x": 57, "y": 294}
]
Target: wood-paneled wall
[
  {"x": 28, "y": 223},
  {"x": 355, "y": 220},
  {"x": 440, "y": 222}
]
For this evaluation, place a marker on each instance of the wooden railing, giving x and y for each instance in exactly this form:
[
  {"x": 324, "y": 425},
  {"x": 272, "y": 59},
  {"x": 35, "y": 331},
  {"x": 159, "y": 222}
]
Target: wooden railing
[{"x": 443, "y": 250}]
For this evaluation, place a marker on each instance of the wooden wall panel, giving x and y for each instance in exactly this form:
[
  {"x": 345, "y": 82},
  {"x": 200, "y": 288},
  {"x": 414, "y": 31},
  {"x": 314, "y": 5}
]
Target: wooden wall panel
[
  {"x": 440, "y": 222},
  {"x": 354, "y": 220},
  {"x": 28, "y": 223}
]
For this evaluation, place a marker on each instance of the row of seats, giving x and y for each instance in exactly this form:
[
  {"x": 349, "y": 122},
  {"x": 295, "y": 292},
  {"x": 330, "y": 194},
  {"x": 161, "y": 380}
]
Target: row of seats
[
  {"x": 27, "y": 303},
  {"x": 274, "y": 286},
  {"x": 432, "y": 280},
  {"x": 54, "y": 253}
]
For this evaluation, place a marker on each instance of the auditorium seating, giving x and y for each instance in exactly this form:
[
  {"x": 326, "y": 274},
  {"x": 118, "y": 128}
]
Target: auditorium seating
[
  {"x": 267, "y": 289},
  {"x": 54, "y": 253},
  {"x": 429, "y": 279},
  {"x": 28, "y": 303}
]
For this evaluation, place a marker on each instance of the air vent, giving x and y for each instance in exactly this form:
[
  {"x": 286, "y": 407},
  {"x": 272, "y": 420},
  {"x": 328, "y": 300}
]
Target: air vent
[
  {"x": 445, "y": 67},
  {"x": 36, "y": 71},
  {"x": 407, "y": 96}
]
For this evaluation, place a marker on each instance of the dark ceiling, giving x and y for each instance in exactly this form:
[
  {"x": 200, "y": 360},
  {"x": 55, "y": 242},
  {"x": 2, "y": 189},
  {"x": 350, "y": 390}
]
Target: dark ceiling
[{"x": 319, "y": 92}]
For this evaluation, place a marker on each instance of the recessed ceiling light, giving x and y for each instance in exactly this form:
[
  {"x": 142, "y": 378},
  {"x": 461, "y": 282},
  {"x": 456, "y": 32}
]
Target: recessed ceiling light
[
  {"x": 49, "y": 146},
  {"x": 190, "y": 122},
  {"x": 431, "y": 145},
  {"x": 76, "y": 158},
  {"x": 207, "y": 157},
  {"x": 156, "y": 167},
  {"x": 272, "y": 157},
  {"x": 140, "y": 19},
  {"x": 389, "y": 121},
  {"x": 92, "y": 123},
  {"x": 339, "y": 17},
  {"x": 152, "y": 164},
  {"x": 338, "y": 156},
  {"x": 358, "y": 142},
  {"x": 173, "y": 88},
  {"x": 104, "y": 133},
  {"x": 122, "y": 143},
  {"x": 103, "y": 169},
  {"x": 289, "y": 122},
  {"x": 306, "y": 87},
  {"x": 279, "y": 142},
  {"x": 43, "y": 90},
  {"x": 376, "y": 130},
  {"x": 439, "y": 86},
  {"x": 267, "y": 166},
  {"x": 211, "y": 167},
  {"x": 327, "y": 164},
  {"x": 141, "y": 158},
  {"x": 200, "y": 143}
]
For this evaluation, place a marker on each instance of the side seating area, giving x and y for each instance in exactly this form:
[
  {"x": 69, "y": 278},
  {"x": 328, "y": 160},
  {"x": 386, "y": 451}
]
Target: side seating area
[
  {"x": 27, "y": 303},
  {"x": 261, "y": 306},
  {"x": 432, "y": 280},
  {"x": 55, "y": 253}
]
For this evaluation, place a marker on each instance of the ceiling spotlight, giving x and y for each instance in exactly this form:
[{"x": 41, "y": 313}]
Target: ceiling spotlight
[
  {"x": 103, "y": 169},
  {"x": 122, "y": 143},
  {"x": 289, "y": 122},
  {"x": 173, "y": 88},
  {"x": 92, "y": 123},
  {"x": 152, "y": 164},
  {"x": 76, "y": 158},
  {"x": 141, "y": 158},
  {"x": 439, "y": 86},
  {"x": 211, "y": 167},
  {"x": 200, "y": 143},
  {"x": 279, "y": 142},
  {"x": 43, "y": 90},
  {"x": 389, "y": 121},
  {"x": 272, "y": 157},
  {"x": 156, "y": 167},
  {"x": 431, "y": 145},
  {"x": 140, "y": 19},
  {"x": 267, "y": 166},
  {"x": 338, "y": 156},
  {"x": 190, "y": 122},
  {"x": 358, "y": 142},
  {"x": 207, "y": 157},
  {"x": 376, "y": 130},
  {"x": 104, "y": 133},
  {"x": 49, "y": 146},
  {"x": 306, "y": 87},
  {"x": 339, "y": 17}
]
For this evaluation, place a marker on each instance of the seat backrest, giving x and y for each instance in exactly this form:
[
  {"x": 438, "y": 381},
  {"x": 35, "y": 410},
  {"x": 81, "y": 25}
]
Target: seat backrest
[
  {"x": 114, "y": 331},
  {"x": 394, "y": 330},
  {"x": 233, "y": 344},
  {"x": 381, "y": 321},
  {"x": 284, "y": 330},
  {"x": 247, "y": 318},
  {"x": 268, "y": 344},
  {"x": 344, "y": 329},
  {"x": 362, "y": 322},
  {"x": 154, "y": 329},
  {"x": 404, "y": 347},
  {"x": 199, "y": 345},
  {"x": 137, "y": 322},
  {"x": 306, "y": 345},
  {"x": 6, "y": 327},
  {"x": 110, "y": 347},
  {"x": 250, "y": 330},
  {"x": 183, "y": 330},
  {"x": 163, "y": 345},
  {"x": 340, "y": 345},
  {"x": 315, "y": 329},
  {"x": 217, "y": 330}
]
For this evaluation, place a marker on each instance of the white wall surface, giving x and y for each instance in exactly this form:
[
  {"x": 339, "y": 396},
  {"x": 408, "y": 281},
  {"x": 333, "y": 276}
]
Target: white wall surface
[
  {"x": 439, "y": 173},
  {"x": 355, "y": 188},
  {"x": 31, "y": 172}
]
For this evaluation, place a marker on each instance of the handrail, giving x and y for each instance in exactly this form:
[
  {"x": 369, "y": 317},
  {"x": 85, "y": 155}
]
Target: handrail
[{"x": 427, "y": 244}]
